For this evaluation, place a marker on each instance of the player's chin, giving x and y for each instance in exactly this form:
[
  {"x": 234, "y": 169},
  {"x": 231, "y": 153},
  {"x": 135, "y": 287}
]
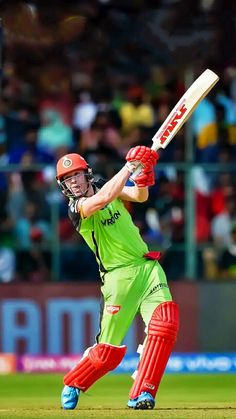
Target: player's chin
[{"x": 77, "y": 193}]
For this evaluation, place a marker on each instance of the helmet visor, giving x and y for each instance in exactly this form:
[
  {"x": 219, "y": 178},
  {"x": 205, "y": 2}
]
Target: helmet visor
[{"x": 77, "y": 185}]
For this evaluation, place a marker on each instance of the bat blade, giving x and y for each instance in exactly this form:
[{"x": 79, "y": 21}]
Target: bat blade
[
  {"x": 184, "y": 108},
  {"x": 182, "y": 111}
]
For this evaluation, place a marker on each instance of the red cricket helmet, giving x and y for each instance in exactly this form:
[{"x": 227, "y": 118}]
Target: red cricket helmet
[{"x": 69, "y": 163}]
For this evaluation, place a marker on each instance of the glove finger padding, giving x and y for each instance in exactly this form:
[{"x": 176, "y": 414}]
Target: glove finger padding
[
  {"x": 145, "y": 179},
  {"x": 145, "y": 155}
]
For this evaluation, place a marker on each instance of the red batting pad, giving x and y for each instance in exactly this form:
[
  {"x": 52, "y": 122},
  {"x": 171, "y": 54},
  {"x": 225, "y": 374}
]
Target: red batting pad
[
  {"x": 162, "y": 334},
  {"x": 100, "y": 359}
]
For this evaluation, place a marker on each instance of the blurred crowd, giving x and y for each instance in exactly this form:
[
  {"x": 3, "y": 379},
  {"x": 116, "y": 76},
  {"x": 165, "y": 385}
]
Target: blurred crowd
[
  {"x": 100, "y": 112},
  {"x": 103, "y": 132}
]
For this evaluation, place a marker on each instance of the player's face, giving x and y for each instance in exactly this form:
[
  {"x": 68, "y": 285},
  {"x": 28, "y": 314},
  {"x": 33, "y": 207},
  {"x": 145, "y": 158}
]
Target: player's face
[{"x": 77, "y": 182}]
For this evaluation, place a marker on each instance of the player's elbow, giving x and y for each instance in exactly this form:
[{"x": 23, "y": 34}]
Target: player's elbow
[
  {"x": 142, "y": 195},
  {"x": 140, "y": 200}
]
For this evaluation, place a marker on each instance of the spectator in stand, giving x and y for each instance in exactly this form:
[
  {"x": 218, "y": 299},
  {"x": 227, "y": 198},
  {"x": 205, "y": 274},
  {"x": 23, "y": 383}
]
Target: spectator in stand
[
  {"x": 137, "y": 111},
  {"x": 227, "y": 260},
  {"x": 3, "y": 136},
  {"x": 54, "y": 133},
  {"x": 221, "y": 264},
  {"x": 29, "y": 152},
  {"x": 223, "y": 187},
  {"x": 84, "y": 112},
  {"x": 7, "y": 256},
  {"x": 101, "y": 145},
  {"x": 3, "y": 185},
  {"x": 32, "y": 233},
  {"x": 18, "y": 118},
  {"x": 205, "y": 130},
  {"x": 221, "y": 223},
  {"x": 228, "y": 114},
  {"x": 7, "y": 264},
  {"x": 16, "y": 197}
]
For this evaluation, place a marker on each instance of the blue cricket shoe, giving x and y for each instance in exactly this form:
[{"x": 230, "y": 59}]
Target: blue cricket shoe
[
  {"x": 143, "y": 402},
  {"x": 69, "y": 397}
]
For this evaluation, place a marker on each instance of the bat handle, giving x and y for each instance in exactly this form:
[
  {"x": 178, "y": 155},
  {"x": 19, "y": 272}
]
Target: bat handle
[
  {"x": 139, "y": 168},
  {"x": 136, "y": 173}
]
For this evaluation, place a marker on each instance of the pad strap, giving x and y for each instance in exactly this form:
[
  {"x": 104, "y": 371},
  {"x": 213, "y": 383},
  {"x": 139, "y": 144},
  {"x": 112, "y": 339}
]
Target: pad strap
[
  {"x": 161, "y": 337},
  {"x": 99, "y": 360}
]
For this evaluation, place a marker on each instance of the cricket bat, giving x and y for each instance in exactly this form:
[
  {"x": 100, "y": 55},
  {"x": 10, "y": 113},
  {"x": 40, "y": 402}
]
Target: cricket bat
[{"x": 182, "y": 111}]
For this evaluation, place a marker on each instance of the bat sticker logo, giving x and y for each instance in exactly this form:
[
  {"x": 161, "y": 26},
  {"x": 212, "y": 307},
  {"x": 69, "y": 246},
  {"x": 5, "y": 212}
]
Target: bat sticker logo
[{"x": 173, "y": 122}]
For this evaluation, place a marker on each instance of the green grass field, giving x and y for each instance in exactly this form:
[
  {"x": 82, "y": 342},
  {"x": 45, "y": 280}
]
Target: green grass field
[{"x": 180, "y": 396}]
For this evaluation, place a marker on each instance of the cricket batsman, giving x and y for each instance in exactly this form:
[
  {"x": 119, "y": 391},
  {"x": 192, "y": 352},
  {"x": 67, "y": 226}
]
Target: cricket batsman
[{"x": 133, "y": 281}]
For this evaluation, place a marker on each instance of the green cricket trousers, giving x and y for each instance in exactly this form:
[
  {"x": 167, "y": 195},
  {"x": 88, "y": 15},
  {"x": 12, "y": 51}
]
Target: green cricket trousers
[{"x": 126, "y": 291}]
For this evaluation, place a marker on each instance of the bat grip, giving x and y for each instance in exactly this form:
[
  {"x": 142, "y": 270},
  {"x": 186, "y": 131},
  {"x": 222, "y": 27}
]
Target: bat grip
[
  {"x": 139, "y": 168},
  {"x": 136, "y": 173}
]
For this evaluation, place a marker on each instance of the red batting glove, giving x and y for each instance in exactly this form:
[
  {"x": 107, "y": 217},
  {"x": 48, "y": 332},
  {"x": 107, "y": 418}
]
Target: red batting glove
[
  {"x": 145, "y": 179},
  {"x": 145, "y": 155}
]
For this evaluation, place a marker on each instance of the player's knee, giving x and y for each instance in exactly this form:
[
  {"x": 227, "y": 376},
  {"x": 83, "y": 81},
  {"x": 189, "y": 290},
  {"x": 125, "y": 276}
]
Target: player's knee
[
  {"x": 165, "y": 320},
  {"x": 105, "y": 355}
]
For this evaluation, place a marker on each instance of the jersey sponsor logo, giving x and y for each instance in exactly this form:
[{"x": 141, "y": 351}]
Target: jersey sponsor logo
[
  {"x": 113, "y": 309},
  {"x": 112, "y": 219},
  {"x": 158, "y": 287}
]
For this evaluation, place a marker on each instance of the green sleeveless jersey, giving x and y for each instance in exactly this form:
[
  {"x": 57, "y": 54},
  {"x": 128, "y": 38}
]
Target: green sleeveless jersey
[{"x": 111, "y": 234}]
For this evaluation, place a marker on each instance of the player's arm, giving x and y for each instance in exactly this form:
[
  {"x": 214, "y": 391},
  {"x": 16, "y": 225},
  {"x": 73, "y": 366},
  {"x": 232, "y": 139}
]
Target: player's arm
[
  {"x": 134, "y": 194},
  {"x": 114, "y": 187},
  {"x": 110, "y": 191}
]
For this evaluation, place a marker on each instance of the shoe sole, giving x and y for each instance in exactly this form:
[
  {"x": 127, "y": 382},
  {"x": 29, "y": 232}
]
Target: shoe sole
[{"x": 144, "y": 405}]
